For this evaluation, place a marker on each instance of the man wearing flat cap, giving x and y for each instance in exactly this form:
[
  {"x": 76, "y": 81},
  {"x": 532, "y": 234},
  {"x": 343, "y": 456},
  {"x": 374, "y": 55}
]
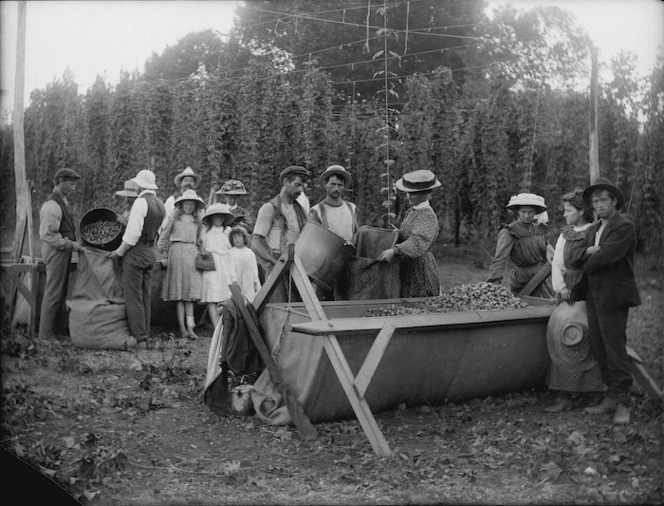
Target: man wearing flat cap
[
  {"x": 57, "y": 232},
  {"x": 137, "y": 254},
  {"x": 608, "y": 264},
  {"x": 335, "y": 213},
  {"x": 279, "y": 222}
]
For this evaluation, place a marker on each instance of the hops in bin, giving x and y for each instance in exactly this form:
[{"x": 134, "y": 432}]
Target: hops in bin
[{"x": 101, "y": 232}]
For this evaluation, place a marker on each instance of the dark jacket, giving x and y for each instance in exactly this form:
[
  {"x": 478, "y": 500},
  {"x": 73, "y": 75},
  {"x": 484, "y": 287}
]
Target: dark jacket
[
  {"x": 67, "y": 226},
  {"x": 610, "y": 271}
]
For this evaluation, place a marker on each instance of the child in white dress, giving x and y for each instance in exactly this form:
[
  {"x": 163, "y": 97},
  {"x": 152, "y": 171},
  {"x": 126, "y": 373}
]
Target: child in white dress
[
  {"x": 244, "y": 268},
  {"x": 178, "y": 244},
  {"x": 214, "y": 239}
]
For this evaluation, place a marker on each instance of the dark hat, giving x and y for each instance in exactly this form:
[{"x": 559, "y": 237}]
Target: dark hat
[
  {"x": 603, "y": 183},
  {"x": 65, "y": 173},
  {"x": 294, "y": 170},
  {"x": 339, "y": 171},
  {"x": 417, "y": 181},
  {"x": 567, "y": 337}
]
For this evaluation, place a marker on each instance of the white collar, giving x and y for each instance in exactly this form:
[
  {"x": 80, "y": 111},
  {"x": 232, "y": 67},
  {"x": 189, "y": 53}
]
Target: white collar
[{"x": 146, "y": 191}]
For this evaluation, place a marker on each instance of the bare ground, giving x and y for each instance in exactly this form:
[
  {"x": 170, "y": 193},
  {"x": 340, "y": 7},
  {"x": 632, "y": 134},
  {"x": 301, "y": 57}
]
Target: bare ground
[{"x": 130, "y": 428}]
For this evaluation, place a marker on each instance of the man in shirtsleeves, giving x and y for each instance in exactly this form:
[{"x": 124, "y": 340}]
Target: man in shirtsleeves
[
  {"x": 137, "y": 253},
  {"x": 57, "y": 232},
  {"x": 337, "y": 215},
  {"x": 279, "y": 223}
]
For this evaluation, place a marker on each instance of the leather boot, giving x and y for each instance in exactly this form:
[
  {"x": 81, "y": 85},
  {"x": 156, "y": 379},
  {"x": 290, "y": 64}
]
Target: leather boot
[
  {"x": 562, "y": 403},
  {"x": 606, "y": 406}
]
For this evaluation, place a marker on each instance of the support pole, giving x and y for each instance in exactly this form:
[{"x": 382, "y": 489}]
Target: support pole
[{"x": 594, "y": 142}]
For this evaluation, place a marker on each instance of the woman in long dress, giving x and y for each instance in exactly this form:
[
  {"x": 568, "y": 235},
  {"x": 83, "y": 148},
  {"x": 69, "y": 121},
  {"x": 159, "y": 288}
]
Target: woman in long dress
[
  {"x": 523, "y": 242},
  {"x": 215, "y": 240},
  {"x": 179, "y": 244},
  {"x": 574, "y": 387},
  {"x": 418, "y": 270}
]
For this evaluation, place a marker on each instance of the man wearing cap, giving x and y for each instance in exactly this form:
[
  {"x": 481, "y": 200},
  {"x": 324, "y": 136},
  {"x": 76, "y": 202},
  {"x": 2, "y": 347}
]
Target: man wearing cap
[
  {"x": 137, "y": 254},
  {"x": 57, "y": 232},
  {"x": 185, "y": 180},
  {"x": 335, "y": 213},
  {"x": 611, "y": 290},
  {"x": 279, "y": 221}
]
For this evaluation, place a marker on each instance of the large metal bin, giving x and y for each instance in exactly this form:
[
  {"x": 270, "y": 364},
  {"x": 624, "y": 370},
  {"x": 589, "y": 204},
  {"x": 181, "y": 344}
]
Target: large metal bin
[{"x": 457, "y": 356}]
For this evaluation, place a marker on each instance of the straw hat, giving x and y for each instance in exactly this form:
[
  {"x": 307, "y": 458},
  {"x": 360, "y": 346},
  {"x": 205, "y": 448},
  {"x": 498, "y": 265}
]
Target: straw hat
[
  {"x": 232, "y": 187},
  {"x": 418, "y": 181},
  {"x": 339, "y": 171},
  {"x": 130, "y": 189},
  {"x": 190, "y": 195},
  {"x": 145, "y": 179},
  {"x": 527, "y": 199},
  {"x": 219, "y": 209},
  {"x": 603, "y": 183},
  {"x": 567, "y": 337},
  {"x": 188, "y": 172}
]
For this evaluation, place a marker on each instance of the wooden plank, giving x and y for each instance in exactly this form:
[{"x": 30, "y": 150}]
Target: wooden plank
[
  {"x": 641, "y": 375},
  {"x": 594, "y": 136},
  {"x": 280, "y": 269},
  {"x": 18, "y": 284},
  {"x": 294, "y": 408},
  {"x": 340, "y": 364},
  {"x": 374, "y": 356},
  {"x": 373, "y": 324},
  {"x": 536, "y": 280}
]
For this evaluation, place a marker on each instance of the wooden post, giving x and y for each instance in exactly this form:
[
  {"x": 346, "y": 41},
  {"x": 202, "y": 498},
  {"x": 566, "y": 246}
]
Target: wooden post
[
  {"x": 594, "y": 143},
  {"x": 23, "y": 201}
]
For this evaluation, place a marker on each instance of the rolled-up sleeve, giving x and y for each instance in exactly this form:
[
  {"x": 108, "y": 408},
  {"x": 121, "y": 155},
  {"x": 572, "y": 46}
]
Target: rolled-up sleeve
[
  {"x": 502, "y": 254},
  {"x": 134, "y": 225},
  {"x": 558, "y": 266},
  {"x": 50, "y": 217}
]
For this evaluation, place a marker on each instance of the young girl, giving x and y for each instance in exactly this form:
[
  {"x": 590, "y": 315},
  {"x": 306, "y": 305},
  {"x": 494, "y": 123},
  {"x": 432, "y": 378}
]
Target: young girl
[
  {"x": 214, "y": 239},
  {"x": 244, "y": 267},
  {"x": 178, "y": 244}
]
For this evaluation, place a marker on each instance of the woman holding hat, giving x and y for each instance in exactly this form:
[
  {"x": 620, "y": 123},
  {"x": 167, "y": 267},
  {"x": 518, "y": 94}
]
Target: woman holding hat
[
  {"x": 417, "y": 267},
  {"x": 523, "y": 242},
  {"x": 215, "y": 240},
  {"x": 178, "y": 244},
  {"x": 569, "y": 376}
]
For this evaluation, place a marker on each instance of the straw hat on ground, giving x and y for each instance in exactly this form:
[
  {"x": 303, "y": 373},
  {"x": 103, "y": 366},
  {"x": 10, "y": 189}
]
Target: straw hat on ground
[
  {"x": 145, "y": 179},
  {"x": 527, "y": 199},
  {"x": 188, "y": 172},
  {"x": 418, "y": 181},
  {"x": 219, "y": 209}
]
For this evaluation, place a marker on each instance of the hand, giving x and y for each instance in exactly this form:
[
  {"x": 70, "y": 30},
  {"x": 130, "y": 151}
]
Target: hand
[
  {"x": 566, "y": 296},
  {"x": 115, "y": 256},
  {"x": 76, "y": 246},
  {"x": 591, "y": 250},
  {"x": 386, "y": 256},
  {"x": 163, "y": 262}
]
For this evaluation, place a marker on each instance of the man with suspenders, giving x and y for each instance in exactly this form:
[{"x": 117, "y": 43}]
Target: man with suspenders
[{"x": 335, "y": 213}]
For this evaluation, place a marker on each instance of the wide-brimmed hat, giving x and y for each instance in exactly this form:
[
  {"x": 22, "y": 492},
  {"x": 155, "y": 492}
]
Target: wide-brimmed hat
[
  {"x": 339, "y": 171},
  {"x": 567, "y": 337},
  {"x": 232, "y": 187},
  {"x": 294, "y": 170},
  {"x": 65, "y": 173},
  {"x": 527, "y": 199},
  {"x": 188, "y": 172},
  {"x": 131, "y": 189},
  {"x": 145, "y": 179},
  {"x": 190, "y": 195},
  {"x": 603, "y": 183},
  {"x": 418, "y": 181},
  {"x": 219, "y": 209}
]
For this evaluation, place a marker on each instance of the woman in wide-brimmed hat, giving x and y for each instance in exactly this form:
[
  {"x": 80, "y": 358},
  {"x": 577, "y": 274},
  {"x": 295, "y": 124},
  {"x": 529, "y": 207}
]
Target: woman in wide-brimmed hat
[
  {"x": 215, "y": 240},
  {"x": 230, "y": 192},
  {"x": 524, "y": 243},
  {"x": 179, "y": 245},
  {"x": 418, "y": 270},
  {"x": 573, "y": 372},
  {"x": 185, "y": 180}
]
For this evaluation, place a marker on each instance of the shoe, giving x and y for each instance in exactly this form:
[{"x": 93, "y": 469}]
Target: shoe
[
  {"x": 142, "y": 345},
  {"x": 621, "y": 416},
  {"x": 191, "y": 334},
  {"x": 561, "y": 404},
  {"x": 606, "y": 406}
]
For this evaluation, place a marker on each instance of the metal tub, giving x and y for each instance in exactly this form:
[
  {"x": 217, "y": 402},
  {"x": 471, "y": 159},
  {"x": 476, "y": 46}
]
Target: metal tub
[{"x": 432, "y": 359}]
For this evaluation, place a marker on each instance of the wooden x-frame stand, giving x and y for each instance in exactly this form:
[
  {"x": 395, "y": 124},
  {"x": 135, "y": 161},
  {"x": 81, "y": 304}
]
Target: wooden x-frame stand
[{"x": 354, "y": 386}]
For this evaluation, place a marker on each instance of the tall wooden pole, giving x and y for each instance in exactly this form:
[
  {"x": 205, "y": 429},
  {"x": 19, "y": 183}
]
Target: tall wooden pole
[
  {"x": 594, "y": 142},
  {"x": 23, "y": 201}
]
